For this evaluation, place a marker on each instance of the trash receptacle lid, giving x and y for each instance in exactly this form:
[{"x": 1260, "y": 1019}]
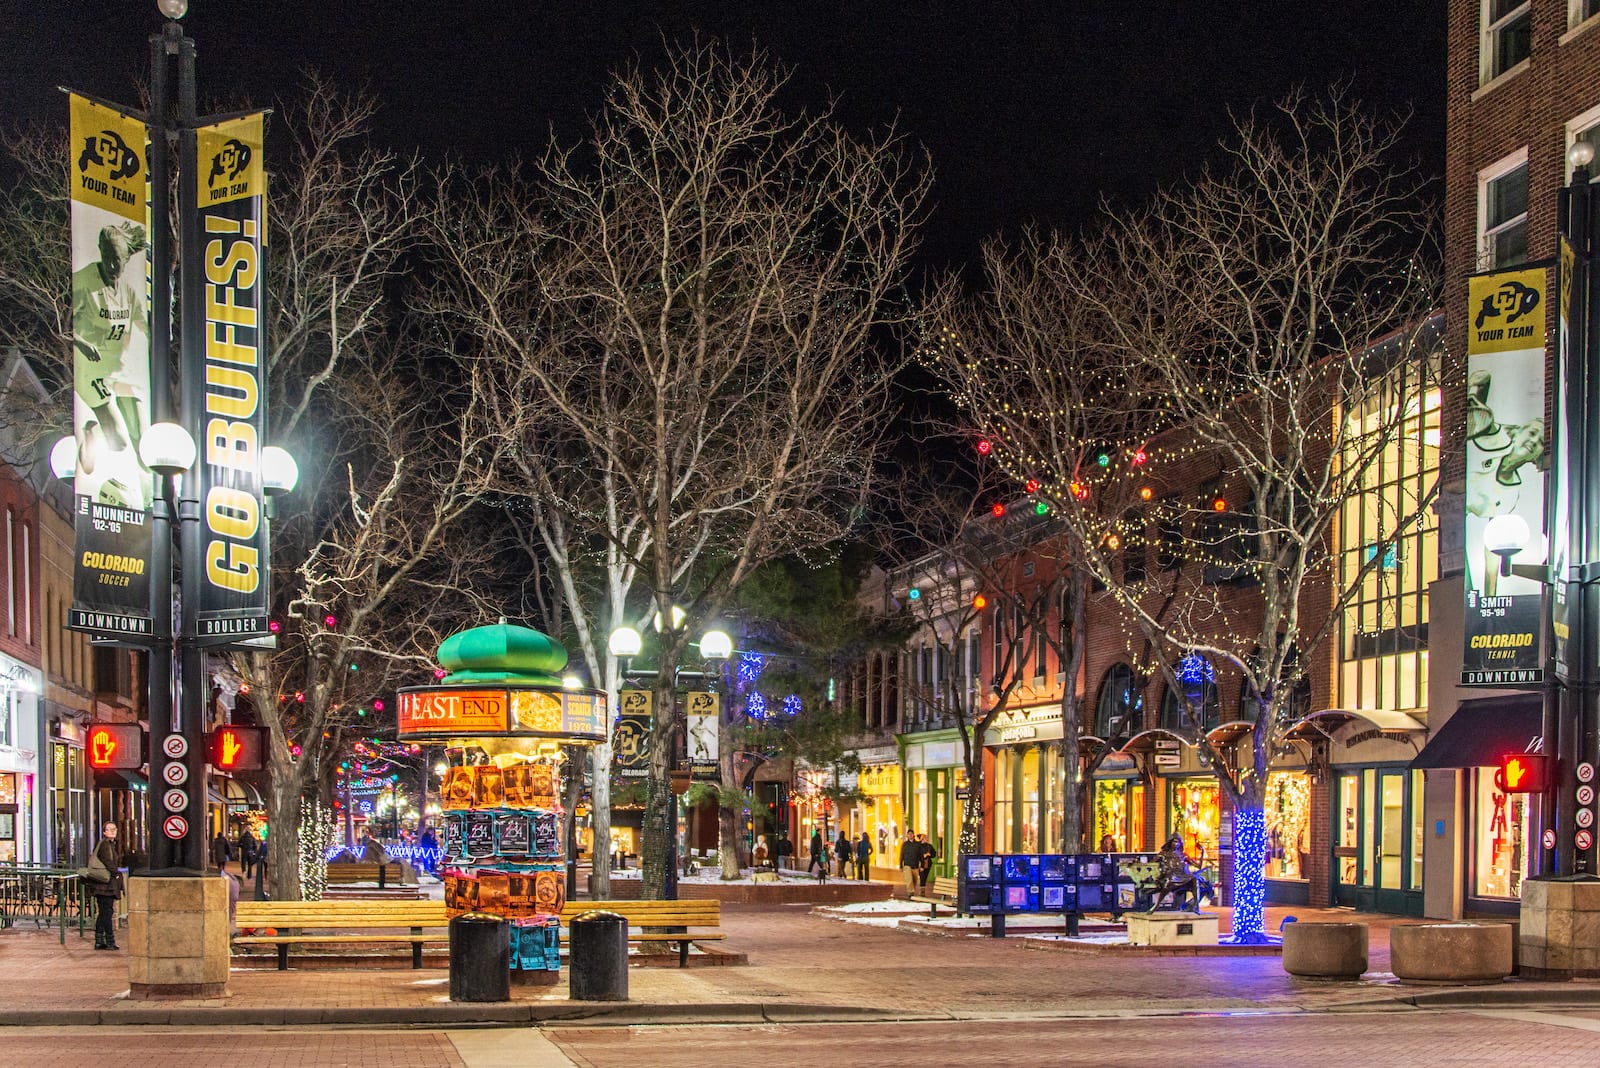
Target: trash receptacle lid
[
  {"x": 479, "y": 917},
  {"x": 602, "y": 915}
]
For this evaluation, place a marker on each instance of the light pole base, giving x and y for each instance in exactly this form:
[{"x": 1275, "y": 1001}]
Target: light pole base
[
  {"x": 178, "y": 933},
  {"x": 1559, "y": 936}
]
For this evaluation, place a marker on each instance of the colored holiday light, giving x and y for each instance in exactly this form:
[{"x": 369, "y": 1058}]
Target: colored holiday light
[
  {"x": 274, "y": 626},
  {"x": 377, "y": 706},
  {"x": 980, "y": 602},
  {"x": 1041, "y": 508},
  {"x": 985, "y": 446},
  {"x": 997, "y": 510},
  {"x": 1032, "y": 485},
  {"x": 330, "y": 620},
  {"x": 1219, "y": 505},
  {"x": 1139, "y": 457},
  {"x": 1249, "y": 876},
  {"x": 915, "y": 594},
  {"x": 1113, "y": 542},
  {"x": 1146, "y": 493}
]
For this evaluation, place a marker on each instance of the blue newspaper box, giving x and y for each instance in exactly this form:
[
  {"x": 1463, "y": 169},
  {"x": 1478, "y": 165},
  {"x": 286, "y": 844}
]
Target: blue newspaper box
[
  {"x": 978, "y": 885},
  {"x": 1021, "y": 883}
]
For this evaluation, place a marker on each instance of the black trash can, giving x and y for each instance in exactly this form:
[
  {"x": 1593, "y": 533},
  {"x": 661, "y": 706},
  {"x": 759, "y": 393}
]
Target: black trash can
[
  {"x": 597, "y": 961},
  {"x": 480, "y": 958}
]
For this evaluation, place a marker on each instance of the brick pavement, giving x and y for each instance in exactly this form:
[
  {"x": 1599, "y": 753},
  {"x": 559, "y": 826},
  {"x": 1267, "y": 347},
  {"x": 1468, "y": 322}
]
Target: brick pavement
[{"x": 801, "y": 966}]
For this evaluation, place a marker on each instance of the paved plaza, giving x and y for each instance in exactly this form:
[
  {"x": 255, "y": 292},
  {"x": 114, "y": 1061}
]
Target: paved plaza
[{"x": 873, "y": 994}]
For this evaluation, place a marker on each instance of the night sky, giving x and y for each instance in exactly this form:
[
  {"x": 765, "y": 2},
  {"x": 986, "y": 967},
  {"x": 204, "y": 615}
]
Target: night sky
[{"x": 1031, "y": 111}]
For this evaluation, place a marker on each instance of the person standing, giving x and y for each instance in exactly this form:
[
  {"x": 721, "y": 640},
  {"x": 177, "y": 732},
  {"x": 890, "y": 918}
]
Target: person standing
[
  {"x": 925, "y": 855},
  {"x": 429, "y": 844},
  {"x": 864, "y": 858},
  {"x": 105, "y": 885},
  {"x": 844, "y": 853},
  {"x": 819, "y": 854},
  {"x": 782, "y": 850},
  {"x": 909, "y": 852}
]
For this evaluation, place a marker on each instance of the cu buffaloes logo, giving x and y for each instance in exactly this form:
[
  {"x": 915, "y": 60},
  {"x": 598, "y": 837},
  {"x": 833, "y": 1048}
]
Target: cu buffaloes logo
[
  {"x": 1511, "y": 300},
  {"x": 107, "y": 149},
  {"x": 229, "y": 163}
]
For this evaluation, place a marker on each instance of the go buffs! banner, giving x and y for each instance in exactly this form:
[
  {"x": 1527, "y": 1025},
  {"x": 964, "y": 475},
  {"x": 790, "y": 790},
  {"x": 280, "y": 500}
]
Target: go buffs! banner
[
  {"x": 1507, "y": 456},
  {"x": 231, "y": 204},
  {"x": 111, "y": 370}
]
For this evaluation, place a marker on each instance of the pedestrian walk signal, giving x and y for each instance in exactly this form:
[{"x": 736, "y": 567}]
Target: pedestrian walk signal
[
  {"x": 1521, "y": 773},
  {"x": 115, "y": 746},
  {"x": 235, "y": 749}
]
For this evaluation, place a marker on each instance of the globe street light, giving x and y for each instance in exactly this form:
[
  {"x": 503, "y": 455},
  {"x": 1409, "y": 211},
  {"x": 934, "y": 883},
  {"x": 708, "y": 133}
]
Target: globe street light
[{"x": 624, "y": 643}]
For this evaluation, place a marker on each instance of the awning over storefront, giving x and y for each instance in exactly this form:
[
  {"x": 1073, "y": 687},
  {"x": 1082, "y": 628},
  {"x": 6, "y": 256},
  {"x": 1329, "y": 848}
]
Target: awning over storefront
[
  {"x": 1145, "y": 741},
  {"x": 1228, "y": 733},
  {"x": 243, "y": 794},
  {"x": 108, "y": 779},
  {"x": 1483, "y": 730},
  {"x": 1327, "y": 721}
]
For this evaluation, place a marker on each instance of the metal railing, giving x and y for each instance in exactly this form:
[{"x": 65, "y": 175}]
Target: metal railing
[{"x": 50, "y": 897}]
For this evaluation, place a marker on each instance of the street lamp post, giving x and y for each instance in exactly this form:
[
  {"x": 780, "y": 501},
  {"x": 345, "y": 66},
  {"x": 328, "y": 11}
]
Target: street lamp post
[{"x": 625, "y": 644}]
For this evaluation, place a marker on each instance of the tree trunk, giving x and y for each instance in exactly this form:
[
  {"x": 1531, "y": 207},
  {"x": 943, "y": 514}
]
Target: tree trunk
[
  {"x": 283, "y": 830},
  {"x": 1075, "y": 783},
  {"x": 600, "y": 819},
  {"x": 1249, "y": 869},
  {"x": 728, "y": 845}
]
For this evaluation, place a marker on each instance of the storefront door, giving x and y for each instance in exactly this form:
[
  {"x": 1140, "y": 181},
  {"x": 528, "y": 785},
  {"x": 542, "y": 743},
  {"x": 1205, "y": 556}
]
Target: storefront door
[{"x": 1377, "y": 838}]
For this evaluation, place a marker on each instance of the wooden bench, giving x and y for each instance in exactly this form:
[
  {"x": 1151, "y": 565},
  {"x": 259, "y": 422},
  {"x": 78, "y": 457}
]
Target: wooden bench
[
  {"x": 944, "y": 892},
  {"x": 420, "y": 923},
  {"x": 365, "y": 872},
  {"x": 703, "y": 914},
  {"x": 417, "y": 923}
]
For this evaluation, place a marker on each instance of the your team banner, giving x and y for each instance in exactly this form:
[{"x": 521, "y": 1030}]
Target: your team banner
[
  {"x": 703, "y": 717},
  {"x": 630, "y": 738},
  {"x": 111, "y": 370},
  {"x": 231, "y": 203},
  {"x": 1507, "y": 455}
]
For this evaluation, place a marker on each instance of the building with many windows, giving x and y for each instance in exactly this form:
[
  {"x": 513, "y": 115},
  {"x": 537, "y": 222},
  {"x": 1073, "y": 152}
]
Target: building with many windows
[{"x": 1522, "y": 87}]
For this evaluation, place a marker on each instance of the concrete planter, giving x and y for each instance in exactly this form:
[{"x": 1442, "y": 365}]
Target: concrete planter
[
  {"x": 1451, "y": 952},
  {"x": 1325, "y": 950}
]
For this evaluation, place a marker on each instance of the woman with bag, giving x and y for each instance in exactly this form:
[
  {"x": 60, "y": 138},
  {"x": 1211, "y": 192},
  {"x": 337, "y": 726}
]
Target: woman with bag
[{"x": 105, "y": 884}]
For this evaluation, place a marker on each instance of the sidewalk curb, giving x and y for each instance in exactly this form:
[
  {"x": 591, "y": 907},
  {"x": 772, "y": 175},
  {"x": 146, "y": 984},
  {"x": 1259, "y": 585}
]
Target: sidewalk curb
[
  {"x": 569, "y": 1014},
  {"x": 1484, "y": 997}
]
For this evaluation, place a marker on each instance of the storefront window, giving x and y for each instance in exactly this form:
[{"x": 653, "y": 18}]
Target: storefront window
[
  {"x": 1501, "y": 827},
  {"x": 1030, "y": 801},
  {"x": 8, "y": 816},
  {"x": 919, "y": 803},
  {"x": 1053, "y": 783},
  {"x": 1195, "y": 813},
  {"x": 1349, "y": 829},
  {"x": 1004, "y": 818},
  {"x": 1111, "y": 813},
  {"x": 1288, "y": 809}
]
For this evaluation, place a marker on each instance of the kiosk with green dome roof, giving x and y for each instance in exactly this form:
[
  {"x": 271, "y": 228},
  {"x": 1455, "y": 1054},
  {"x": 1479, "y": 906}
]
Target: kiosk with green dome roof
[{"x": 503, "y": 717}]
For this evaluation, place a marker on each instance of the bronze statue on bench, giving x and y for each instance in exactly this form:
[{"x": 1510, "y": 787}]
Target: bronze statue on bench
[{"x": 1176, "y": 879}]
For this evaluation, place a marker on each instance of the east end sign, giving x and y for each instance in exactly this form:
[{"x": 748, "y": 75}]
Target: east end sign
[
  {"x": 519, "y": 712},
  {"x": 1018, "y": 726}
]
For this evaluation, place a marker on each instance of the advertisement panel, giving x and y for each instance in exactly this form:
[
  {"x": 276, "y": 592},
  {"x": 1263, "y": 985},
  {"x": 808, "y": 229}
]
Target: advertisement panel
[
  {"x": 231, "y": 203},
  {"x": 112, "y": 490},
  {"x": 630, "y": 741},
  {"x": 1507, "y": 454},
  {"x": 703, "y": 717}
]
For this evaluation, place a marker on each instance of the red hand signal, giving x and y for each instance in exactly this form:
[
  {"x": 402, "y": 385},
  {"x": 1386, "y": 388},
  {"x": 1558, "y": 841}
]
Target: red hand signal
[
  {"x": 1516, "y": 771},
  {"x": 230, "y": 748},
  {"x": 101, "y": 745}
]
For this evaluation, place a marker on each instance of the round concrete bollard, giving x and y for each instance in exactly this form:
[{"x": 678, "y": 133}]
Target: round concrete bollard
[
  {"x": 1325, "y": 950},
  {"x": 1451, "y": 952},
  {"x": 597, "y": 965},
  {"x": 480, "y": 958}
]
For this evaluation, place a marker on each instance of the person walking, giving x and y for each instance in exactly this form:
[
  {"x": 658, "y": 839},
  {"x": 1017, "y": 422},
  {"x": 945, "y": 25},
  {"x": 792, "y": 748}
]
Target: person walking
[
  {"x": 864, "y": 857},
  {"x": 221, "y": 850},
  {"x": 844, "y": 853},
  {"x": 105, "y": 885},
  {"x": 925, "y": 857},
  {"x": 784, "y": 849},
  {"x": 819, "y": 855},
  {"x": 247, "y": 852},
  {"x": 909, "y": 852}
]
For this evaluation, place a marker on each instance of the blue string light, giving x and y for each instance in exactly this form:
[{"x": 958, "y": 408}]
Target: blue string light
[
  {"x": 750, "y": 667},
  {"x": 1249, "y": 877},
  {"x": 755, "y": 705}
]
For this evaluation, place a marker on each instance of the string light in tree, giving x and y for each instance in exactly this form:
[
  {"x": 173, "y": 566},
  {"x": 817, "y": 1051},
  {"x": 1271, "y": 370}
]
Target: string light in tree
[
  {"x": 985, "y": 446},
  {"x": 1032, "y": 485},
  {"x": 997, "y": 510},
  {"x": 1249, "y": 876}
]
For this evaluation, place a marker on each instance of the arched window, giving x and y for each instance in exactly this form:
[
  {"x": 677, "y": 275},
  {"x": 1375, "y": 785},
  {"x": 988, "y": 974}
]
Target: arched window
[
  {"x": 1197, "y": 682},
  {"x": 1121, "y": 708},
  {"x": 1297, "y": 708}
]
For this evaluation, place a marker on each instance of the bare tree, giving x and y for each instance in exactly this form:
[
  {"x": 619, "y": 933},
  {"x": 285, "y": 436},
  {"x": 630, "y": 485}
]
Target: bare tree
[
  {"x": 694, "y": 296},
  {"x": 1265, "y": 329}
]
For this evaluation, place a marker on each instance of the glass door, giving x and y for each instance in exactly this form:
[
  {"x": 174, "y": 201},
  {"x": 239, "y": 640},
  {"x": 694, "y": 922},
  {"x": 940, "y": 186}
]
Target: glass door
[{"x": 1377, "y": 840}]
